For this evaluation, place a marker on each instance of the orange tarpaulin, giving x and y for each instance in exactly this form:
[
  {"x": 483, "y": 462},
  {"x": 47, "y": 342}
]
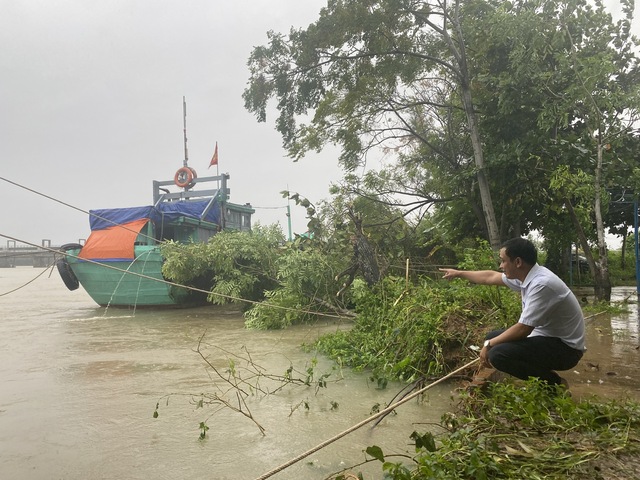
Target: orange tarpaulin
[{"x": 113, "y": 243}]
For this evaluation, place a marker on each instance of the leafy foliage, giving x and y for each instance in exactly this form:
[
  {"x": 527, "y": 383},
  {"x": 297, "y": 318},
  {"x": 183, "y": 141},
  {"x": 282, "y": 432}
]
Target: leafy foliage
[
  {"x": 475, "y": 106},
  {"x": 305, "y": 285},
  {"x": 522, "y": 431},
  {"x": 277, "y": 283},
  {"x": 235, "y": 266},
  {"x": 410, "y": 331}
]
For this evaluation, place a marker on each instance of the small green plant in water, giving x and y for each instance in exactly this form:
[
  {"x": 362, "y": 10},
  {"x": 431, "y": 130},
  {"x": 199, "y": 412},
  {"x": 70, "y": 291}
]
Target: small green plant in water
[{"x": 204, "y": 428}]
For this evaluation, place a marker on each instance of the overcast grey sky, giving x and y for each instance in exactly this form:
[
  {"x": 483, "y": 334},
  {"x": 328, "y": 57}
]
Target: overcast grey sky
[{"x": 91, "y": 107}]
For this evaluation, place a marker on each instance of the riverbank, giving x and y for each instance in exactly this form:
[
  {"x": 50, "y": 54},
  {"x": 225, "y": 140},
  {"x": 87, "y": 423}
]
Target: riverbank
[
  {"x": 604, "y": 385},
  {"x": 609, "y": 367}
]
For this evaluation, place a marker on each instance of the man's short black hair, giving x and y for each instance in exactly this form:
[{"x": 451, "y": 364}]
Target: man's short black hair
[{"x": 523, "y": 248}]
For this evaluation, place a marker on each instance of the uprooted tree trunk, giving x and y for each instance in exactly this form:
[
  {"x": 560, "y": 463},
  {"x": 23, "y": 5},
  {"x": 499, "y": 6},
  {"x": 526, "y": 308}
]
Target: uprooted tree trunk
[{"x": 364, "y": 257}]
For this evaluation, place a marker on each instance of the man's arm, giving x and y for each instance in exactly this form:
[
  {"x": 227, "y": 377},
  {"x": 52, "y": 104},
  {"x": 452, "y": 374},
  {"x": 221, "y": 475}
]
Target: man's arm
[
  {"x": 518, "y": 331},
  {"x": 515, "y": 332},
  {"x": 482, "y": 277}
]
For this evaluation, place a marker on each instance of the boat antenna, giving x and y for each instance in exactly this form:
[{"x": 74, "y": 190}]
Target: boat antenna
[{"x": 184, "y": 123}]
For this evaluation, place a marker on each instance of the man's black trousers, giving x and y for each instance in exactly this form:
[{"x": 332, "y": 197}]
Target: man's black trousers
[{"x": 533, "y": 357}]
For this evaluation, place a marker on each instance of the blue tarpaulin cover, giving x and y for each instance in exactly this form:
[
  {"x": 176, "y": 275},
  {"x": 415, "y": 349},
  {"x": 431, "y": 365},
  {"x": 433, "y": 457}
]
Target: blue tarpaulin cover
[{"x": 165, "y": 212}]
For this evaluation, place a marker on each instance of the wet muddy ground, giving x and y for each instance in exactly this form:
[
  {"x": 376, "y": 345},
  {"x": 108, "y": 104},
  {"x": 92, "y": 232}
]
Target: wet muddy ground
[{"x": 610, "y": 366}]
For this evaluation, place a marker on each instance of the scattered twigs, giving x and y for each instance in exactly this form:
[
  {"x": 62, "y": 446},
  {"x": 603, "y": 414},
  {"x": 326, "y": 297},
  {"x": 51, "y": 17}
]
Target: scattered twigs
[
  {"x": 355, "y": 427},
  {"x": 241, "y": 378},
  {"x": 406, "y": 390}
]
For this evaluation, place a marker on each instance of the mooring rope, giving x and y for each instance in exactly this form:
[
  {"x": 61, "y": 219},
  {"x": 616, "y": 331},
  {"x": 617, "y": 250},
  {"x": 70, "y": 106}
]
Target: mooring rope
[
  {"x": 167, "y": 282},
  {"x": 30, "y": 281},
  {"x": 355, "y": 427},
  {"x": 49, "y": 197}
]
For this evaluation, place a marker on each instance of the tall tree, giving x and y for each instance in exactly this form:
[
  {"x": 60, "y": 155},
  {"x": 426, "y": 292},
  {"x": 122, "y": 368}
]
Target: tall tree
[
  {"x": 598, "y": 105},
  {"x": 558, "y": 85},
  {"x": 363, "y": 70},
  {"x": 481, "y": 100}
]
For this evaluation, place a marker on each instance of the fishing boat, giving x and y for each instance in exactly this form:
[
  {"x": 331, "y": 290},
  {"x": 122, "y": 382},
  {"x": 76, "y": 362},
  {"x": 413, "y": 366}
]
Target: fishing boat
[{"x": 120, "y": 264}]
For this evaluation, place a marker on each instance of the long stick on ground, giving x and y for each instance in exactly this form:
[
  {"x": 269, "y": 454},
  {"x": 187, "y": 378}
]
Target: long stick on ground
[{"x": 387, "y": 410}]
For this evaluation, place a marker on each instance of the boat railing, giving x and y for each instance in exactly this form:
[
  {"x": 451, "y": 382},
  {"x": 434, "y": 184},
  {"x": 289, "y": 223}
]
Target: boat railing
[{"x": 164, "y": 195}]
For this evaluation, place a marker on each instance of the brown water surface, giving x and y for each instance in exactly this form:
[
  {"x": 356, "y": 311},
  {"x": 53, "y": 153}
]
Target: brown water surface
[
  {"x": 609, "y": 367},
  {"x": 79, "y": 384}
]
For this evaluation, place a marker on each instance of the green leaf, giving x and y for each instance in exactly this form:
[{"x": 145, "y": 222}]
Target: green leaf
[
  {"x": 424, "y": 440},
  {"x": 375, "y": 452}
]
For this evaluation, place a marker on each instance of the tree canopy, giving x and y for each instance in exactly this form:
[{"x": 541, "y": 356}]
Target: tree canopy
[{"x": 476, "y": 103}]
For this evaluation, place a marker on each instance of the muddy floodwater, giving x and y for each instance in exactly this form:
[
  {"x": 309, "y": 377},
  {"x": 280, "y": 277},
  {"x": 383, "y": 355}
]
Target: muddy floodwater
[
  {"x": 609, "y": 367},
  {"x": 79, "y": 385}
]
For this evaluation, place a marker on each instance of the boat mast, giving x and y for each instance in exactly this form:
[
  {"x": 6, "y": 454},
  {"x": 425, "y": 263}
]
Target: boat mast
[
  {"x": 184, "y": 130},
  {"x": 186, "y": 176}
]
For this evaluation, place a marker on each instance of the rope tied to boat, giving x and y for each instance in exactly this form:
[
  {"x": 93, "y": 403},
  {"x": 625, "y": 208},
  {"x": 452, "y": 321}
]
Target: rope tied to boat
[
  {"x": 167, "y": 282},
  {"x": 29, "y": 282},
  {"x": 355, "y": 427}
]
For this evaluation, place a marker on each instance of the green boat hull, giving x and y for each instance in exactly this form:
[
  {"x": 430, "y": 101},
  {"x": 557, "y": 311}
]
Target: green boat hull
[
  {"x": 120, "y": 264},
  {"x": 130, "y": 284}
]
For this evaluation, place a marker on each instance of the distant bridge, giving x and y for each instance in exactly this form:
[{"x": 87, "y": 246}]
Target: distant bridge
[{"x": 20, "y": 255}]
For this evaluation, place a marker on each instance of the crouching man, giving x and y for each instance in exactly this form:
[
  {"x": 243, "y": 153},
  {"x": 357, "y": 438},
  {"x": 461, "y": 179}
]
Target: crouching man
[{"x": 550, "y": 333}]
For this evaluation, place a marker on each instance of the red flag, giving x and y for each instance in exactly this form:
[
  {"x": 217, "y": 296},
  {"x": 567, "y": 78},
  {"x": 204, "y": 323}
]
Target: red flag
[{"x": 214, "y": 159}]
